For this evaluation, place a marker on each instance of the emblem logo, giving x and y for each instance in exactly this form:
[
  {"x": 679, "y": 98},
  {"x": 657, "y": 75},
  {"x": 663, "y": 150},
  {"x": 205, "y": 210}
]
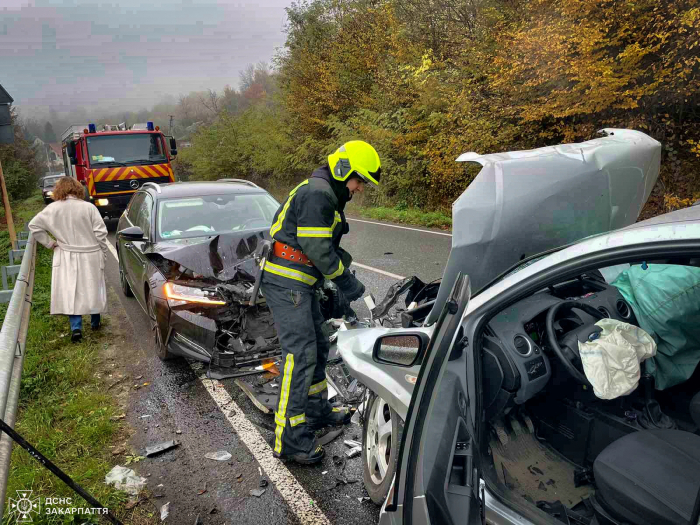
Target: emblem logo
[
  {"x": 24, "y": 506},
  {"x": 134, "y": 184}
]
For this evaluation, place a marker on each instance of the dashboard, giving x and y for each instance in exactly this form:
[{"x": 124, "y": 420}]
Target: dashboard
[{"x": 516, "y": 359}]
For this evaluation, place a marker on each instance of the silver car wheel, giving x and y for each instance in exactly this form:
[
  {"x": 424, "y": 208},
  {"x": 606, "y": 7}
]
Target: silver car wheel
[{"x": 379, "y": 440}]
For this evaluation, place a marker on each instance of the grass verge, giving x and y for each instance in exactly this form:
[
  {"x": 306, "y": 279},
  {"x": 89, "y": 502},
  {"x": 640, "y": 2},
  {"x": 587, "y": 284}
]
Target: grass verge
[
  {"x": 429, "y": 219},
  {"x": 64, "y": 409}
]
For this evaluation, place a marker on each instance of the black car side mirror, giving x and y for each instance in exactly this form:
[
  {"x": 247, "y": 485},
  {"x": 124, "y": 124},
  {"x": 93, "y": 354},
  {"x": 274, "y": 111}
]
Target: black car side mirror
[
  {"x": 133, "y": 233},
  {"x": 401, "y": 349},
  {"x": 173, "y": 146}
]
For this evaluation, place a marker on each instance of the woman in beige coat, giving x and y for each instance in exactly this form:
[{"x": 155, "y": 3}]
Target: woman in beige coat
[{"x": 79, "y": 251}]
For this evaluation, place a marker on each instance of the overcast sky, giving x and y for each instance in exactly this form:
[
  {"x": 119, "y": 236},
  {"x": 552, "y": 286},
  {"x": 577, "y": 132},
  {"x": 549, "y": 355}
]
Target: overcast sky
[{"x": 130, "y": 53}]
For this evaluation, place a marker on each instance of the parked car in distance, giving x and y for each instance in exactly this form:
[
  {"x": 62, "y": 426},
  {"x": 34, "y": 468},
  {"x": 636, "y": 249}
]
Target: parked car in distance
[
  {"x": 47, "y": 186},
  {"x": 186, "y": 253}
]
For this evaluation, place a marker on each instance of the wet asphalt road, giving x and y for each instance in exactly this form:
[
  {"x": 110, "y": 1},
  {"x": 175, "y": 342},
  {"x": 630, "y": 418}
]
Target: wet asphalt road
[{"x": 179, "y": 401}]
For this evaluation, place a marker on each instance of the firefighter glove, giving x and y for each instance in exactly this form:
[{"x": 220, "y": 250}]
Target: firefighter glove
[{"x": 350, "y": 286}]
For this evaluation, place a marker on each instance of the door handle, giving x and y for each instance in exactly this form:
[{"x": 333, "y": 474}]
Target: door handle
[{"x": 128, "y": 245}]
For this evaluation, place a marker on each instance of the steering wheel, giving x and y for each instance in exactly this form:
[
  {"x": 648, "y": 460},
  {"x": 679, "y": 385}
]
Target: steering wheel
[
  {"x": 253, "y": 219},
  {"x": 566, "y": 349}
]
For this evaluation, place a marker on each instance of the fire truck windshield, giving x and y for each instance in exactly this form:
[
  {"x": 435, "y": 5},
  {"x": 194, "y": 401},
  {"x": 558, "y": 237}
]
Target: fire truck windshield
[{"x": 123, "y": 150}]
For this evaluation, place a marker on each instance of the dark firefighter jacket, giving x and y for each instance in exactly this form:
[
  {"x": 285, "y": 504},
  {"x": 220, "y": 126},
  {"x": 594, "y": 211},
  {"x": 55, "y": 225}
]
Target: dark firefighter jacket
[{"x": 312, "y": 220}]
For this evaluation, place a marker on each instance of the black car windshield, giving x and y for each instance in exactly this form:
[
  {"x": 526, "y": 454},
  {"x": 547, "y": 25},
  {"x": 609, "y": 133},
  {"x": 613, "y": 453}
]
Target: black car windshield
[
  {"x": 50, "y": 183},
  {"x": 214, "y": 214},
  {"x": 141, "y": 148}
]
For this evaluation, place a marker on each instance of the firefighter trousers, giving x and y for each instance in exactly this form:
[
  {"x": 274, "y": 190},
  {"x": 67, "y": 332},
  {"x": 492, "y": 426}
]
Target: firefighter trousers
[{"x": 303, "y": 388}]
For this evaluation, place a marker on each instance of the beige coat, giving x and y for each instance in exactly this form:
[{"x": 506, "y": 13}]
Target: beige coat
[{"x": 78, "y": 275}]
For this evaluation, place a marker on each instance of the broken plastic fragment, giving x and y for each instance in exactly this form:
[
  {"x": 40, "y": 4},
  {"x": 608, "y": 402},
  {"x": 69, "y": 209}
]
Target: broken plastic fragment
[
  {"x": 161, "y": 447},
  {"x": 220, "y": 455},
  {"x": 164, "y": 511},
  {"x": 125, "y": 479},
  {"x": 257, "y": 492}
]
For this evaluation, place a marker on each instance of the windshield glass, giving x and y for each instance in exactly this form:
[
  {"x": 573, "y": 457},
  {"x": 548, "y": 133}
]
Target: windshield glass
[
  {"x": 125, "y": 149},
  {"x": 50, "y": 183},
  {"x": 214, "y": 214}
]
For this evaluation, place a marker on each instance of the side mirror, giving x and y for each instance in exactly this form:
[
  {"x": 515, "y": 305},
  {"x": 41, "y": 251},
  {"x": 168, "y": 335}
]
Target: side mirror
[
  {"x": 173, "y": 146},
  {"x": 133, "y": 233},
  {"x": 405, "y": 349}
]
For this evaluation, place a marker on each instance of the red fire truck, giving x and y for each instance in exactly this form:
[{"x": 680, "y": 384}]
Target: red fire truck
[{"x": 115, "y": 162}]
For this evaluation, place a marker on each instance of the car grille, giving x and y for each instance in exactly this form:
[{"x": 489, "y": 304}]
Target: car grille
[{"x": 125, "y": 185}]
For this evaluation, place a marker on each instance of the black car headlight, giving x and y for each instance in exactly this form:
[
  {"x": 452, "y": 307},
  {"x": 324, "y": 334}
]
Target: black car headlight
[{"x": 178, "y": 295}]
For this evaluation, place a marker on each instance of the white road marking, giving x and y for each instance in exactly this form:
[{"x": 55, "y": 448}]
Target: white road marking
[
  {"x": 294, "y": 494},
  {"x": 113, "y": 250},
  {"x": 291, "y": 490},
  {"x": 377, "y": 270},
  {"x": 400, "y": 227}
]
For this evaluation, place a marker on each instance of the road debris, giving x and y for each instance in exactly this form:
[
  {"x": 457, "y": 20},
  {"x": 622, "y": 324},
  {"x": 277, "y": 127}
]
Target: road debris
[
  {"x": 221, "y": 455},
  {"x": 178, "y": 432},
  {"x": 263, "y": 483},
  {"x": 353, "y": 452},
  {"x": 363, "y": 499},
  {"x": 117, "y": 418},
  {"x": 324, "y": 472},
  {"x": 251, "y": 395},
  {"x": 203, "y": 491},
  {"x": 154, "y": 450},
  {"x": 145, "y": 416},
  {"x": 125, "y": 479},
  {"x": 352, "y": 443},
  {"x": 257, "y": 492},
  {"x": 198, "y": 520},
  {"x": 134, "y": 503},
  {"x": 164, "y": 511},
  {"x": 330, "y": 436}
]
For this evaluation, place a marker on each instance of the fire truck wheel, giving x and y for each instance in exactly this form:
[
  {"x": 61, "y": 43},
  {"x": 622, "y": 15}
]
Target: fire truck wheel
[
  {"x": 161, "y": 348},
  {"x": 126, "y": 289}
]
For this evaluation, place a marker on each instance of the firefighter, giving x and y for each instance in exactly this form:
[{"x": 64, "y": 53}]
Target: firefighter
[{"x": 307, "y": 230}]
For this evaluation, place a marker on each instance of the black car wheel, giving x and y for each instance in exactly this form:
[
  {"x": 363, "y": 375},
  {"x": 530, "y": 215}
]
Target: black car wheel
[
  {"x": 161, "y": 348},
  {"x": 126, "y": 289},
  {"x": 381, "y": 435}
]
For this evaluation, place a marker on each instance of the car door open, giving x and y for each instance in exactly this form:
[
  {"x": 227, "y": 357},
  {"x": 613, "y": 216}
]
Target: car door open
[{"x": 438, "y": 476}]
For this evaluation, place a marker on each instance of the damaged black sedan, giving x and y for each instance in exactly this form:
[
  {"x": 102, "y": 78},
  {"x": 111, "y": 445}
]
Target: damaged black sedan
[{"x": 187, "y": 253}]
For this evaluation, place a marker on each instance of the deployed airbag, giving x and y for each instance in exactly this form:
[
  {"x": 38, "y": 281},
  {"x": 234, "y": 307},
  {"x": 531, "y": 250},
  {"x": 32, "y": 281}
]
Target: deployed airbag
[
  {"x": 611, "y": 362},
  {"x": 666, "y": 301}
]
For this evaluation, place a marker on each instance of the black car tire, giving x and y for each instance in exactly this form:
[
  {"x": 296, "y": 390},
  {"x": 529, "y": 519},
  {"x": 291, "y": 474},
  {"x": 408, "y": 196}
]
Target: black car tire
[
  {"x": 161, "y": 349},
  {"x": 379, "y": 488},
  {"x": 124, "y": 284}
]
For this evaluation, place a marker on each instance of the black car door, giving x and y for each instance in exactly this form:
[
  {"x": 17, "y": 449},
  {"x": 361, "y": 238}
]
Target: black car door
[
  {"x": 438, "y": 477},
  {"x": 139, "y": 263}
]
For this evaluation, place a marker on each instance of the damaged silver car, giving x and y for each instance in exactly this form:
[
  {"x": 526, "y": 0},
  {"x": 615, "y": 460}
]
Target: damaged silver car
[{"x": 521, "y": 207}]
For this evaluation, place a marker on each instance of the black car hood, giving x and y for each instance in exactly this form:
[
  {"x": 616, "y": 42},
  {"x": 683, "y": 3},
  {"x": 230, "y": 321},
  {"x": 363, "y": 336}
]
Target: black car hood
[{"x": 223, "y": 257}]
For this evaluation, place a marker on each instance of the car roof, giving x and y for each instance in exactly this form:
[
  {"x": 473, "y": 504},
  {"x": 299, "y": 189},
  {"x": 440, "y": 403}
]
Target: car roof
[{"x": 192, "y": 189}]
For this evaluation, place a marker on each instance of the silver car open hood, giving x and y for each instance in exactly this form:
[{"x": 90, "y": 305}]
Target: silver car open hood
[{"x": 525, "y": 202}]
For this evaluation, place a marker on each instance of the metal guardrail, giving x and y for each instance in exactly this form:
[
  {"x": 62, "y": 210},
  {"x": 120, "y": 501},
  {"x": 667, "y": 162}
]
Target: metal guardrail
[{"x": 13, "y": 338}]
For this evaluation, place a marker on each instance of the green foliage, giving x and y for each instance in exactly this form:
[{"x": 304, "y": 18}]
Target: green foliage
[
  {"x": 19, "y": 165},
  {"x": 426, "y": 80}
]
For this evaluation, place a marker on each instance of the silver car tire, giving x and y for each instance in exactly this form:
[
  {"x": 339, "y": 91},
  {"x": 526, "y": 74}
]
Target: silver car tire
[{"x": 381, "y": 435}]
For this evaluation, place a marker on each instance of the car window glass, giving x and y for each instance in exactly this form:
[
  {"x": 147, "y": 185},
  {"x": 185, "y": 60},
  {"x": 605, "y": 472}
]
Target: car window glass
[
  {"x": 134, "y": 206},
  {"x": 143, "y": 217},
  {"x": 214, "y": 214}
]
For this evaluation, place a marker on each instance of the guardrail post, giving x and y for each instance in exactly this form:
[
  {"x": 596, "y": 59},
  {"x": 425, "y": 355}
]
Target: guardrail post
[{"x": 13, "y": 336}]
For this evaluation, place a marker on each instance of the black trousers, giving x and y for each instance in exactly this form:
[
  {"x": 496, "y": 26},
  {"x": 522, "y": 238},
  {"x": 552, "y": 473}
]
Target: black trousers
[{"x": 303, "y": 387}]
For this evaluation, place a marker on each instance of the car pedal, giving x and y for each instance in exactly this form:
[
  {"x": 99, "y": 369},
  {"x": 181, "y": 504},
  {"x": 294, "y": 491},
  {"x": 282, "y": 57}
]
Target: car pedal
[
  {"x": 501, "y": 432},
  {"x": 516, "y": 426},
  {"x": 528, "y": 423}
]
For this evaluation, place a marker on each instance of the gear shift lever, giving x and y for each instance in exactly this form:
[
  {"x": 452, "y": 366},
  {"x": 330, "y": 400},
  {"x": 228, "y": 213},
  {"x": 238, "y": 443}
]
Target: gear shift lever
[{"x": 653, "y": 417}]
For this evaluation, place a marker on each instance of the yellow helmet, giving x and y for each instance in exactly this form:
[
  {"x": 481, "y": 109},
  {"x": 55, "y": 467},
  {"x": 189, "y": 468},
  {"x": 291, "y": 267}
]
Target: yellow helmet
[{"x": 355, "y": 158}]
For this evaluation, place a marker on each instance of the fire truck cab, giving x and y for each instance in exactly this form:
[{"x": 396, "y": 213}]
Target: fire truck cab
[{"x": 115, "y": 162}]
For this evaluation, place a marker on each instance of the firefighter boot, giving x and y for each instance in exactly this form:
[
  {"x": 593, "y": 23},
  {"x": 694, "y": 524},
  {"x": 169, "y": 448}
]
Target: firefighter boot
[
  {"x": 336, "y": 417},
  {"x": 305, "y": 458}
]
